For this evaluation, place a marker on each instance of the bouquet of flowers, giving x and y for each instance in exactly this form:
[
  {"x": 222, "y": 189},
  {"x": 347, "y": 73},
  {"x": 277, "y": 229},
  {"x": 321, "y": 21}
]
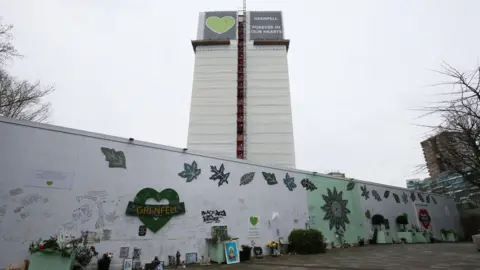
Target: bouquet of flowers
[
  {"x": 273, "y": 244},
  {"x": 52, "y": 245}
]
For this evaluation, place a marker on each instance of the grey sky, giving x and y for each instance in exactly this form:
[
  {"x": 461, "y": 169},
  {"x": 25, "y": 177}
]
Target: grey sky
[{"x": 356, "y": 68}]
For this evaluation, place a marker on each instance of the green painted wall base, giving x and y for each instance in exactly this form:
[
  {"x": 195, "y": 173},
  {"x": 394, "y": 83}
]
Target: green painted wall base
[
  {"x": 40, "y": 261},
  {"x": 419, "y": 238},
  {"x": 407, "y": 235},
  {"x": 450, "y": 237},
  {"x": 384, "y": 237}
]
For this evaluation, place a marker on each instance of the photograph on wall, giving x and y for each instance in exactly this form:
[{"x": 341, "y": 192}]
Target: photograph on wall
[
  {"x": 220, "y": 25},
  {"x": 266, "y": 25},
  {"x": 231, "y": 252},
  {"x": 127, "y": 264}
]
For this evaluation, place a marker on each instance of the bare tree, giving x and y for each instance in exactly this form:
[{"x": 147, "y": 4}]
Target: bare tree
[
  {"x": 7, "y": 50},
  {"x": 459, "y": 151},
  {"x": 20, "y": 99}
]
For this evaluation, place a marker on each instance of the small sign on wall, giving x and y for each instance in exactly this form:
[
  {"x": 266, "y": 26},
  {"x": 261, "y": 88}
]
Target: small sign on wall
[{"x": 253, "y": 230}]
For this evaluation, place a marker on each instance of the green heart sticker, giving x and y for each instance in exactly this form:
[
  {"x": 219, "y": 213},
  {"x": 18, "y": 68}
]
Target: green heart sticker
[
  {"x": 155, "y": 216},
  {"x": 220, "y": 25},
  {"x": 49, "y": 183},
  {"x": 253, "y": 220}
]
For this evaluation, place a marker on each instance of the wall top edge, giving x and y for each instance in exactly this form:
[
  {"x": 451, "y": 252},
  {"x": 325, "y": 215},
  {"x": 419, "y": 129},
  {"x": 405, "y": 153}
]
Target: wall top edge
[{"x": 122, "y": 140}]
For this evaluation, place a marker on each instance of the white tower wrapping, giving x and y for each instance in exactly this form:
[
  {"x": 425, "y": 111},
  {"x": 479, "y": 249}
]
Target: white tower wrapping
[{"x": 241, "y": 93}]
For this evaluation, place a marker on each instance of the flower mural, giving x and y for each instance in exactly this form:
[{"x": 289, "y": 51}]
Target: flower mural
[{"x": 336, "y": 210}]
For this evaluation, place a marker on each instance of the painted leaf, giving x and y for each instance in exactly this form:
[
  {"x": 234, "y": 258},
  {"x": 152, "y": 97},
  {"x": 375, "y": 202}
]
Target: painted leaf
[
  {"x": 405, "y": 198},
  {"x": 116, "y": 159},
  {"x": 434, "y": 200},
  {"x": 365, "y": 192},
  {"x": 270, "y": 178},
  {"x": 420, "y": 197},
  {"x": 412, "y": 196},
  {"x": 289, "y": 182},
  {"x": 376, "y": 195},
  {"x": 386, "y": 194},
  {"x": 247, "y": 178},
  {"x": 219, "y": 174},
  {"x": 308, "y": 185},
  {"x": 395, "y": 196},
  {"x": 350, "y": 185},
  {"x": 428, "y": 198},
  {"x": 190, "y": 172}
]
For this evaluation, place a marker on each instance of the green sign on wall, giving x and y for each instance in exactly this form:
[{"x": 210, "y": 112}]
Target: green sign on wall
[{"x": 155, "y": 216}]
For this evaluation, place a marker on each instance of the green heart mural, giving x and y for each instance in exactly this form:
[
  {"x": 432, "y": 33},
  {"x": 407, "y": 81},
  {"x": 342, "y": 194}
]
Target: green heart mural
[
  {"x": 220, "y": 25},
  {"x": 155, "y": 216},
  {"x": 253, "y": 220}
]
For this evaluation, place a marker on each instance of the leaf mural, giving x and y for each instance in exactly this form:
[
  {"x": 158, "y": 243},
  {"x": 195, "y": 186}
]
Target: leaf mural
[
  {"x": 308, "y": 185},
  {"x": 190, "y": 171},
  {"x": 405, "y": 198},
  {"x": 219, "y": 174},
  {"x": 386, "y": 194},
  {"x": 428, "y": 198},
  {"x": 350, "y": 185},
  {"x": 395, "y": 196},
  {"x": 247, "y": 178},
  {"x": 289, "y": 182},
  {"x": 420, "y": 197},
  {"x": 336, "y": 210},
  {"x": 433, "y": 199},
  {"x": 270, "y": 178},
  {"x": 365, "y": 192},
  {"x": 116, "y": 159},
  {"x": 376, "y": 195},
  {"x": 412, "y": 196}
]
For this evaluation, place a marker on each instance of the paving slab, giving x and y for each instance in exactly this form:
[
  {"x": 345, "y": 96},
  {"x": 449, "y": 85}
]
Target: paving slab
[{"x": 451, "y": 256}]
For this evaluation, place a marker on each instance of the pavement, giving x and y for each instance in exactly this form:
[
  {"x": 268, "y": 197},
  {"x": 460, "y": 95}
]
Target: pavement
[{"x": 451, "y": 256}]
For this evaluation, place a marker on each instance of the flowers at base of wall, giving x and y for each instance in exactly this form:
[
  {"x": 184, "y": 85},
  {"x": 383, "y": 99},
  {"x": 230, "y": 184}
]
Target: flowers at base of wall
[
  {"x": 247, "y": 178},
  {"x": 289, "y": 182},
  {"x": 350, "y": 185},
  {"x": 336, "y": 210},
  {"x": 270, "y": 178},
  {"x": 376, "y": 196},
  {"x": 386, "y": 194},
  {"x": 433, "y": 199},
  {"x": 308, "y": 185},
  {"x": 420, "y": 197},
  {"x": 116, "y": 159},
  {"x": 190, "y": 171},
  {"x": 219, "y": 174},
  {"x": 365, "y": 192},
  {"x": 405, "y": 198},
  {"x": 395, "y": 196},
  {"x": 412, "y": 196}
]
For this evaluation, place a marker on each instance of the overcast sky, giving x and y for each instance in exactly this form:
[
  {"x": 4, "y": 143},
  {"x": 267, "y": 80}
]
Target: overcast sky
[{"x": 357, "y": 69}]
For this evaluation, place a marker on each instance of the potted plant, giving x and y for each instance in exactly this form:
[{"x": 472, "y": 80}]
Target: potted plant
[
  {"x": 273, "y": 245},
  {"x": 402, "y": 222}
]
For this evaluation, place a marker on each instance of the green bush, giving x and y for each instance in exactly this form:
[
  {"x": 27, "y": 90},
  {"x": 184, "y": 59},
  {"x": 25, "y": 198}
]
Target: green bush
[{"x": 309, "y": 241}]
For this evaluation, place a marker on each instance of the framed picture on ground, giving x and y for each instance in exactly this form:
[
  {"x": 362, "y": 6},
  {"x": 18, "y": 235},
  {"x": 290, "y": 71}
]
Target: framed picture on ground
[
  {"x": 231, "y": 252},
  {"x": 127, "y": 264},
  {"x": 191, "y": 258}
]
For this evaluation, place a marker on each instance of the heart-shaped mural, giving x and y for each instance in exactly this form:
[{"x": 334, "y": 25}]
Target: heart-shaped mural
[
  {"x": 424, "y": 218},
  {"x": 253, "y": 220},
  {"x": 155, "y": 216},
  {"x": 220, "y": 25}
]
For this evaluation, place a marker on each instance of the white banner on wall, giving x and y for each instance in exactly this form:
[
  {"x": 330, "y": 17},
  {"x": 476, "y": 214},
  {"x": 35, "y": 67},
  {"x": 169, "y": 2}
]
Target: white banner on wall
[{"x": 50, "y": 179}]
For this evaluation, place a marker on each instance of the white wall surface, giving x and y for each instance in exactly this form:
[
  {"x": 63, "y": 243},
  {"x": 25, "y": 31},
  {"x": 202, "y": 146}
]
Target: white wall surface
[
  {"x": 213, "y": 111},
  {"x": 390, "y": 209},
  {"x": 29, "y": 213}
]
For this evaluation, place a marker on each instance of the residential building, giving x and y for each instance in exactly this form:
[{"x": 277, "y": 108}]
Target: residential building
[
  {"x": 240, "y": 106},
  {"x": 436, "y": 150}
]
